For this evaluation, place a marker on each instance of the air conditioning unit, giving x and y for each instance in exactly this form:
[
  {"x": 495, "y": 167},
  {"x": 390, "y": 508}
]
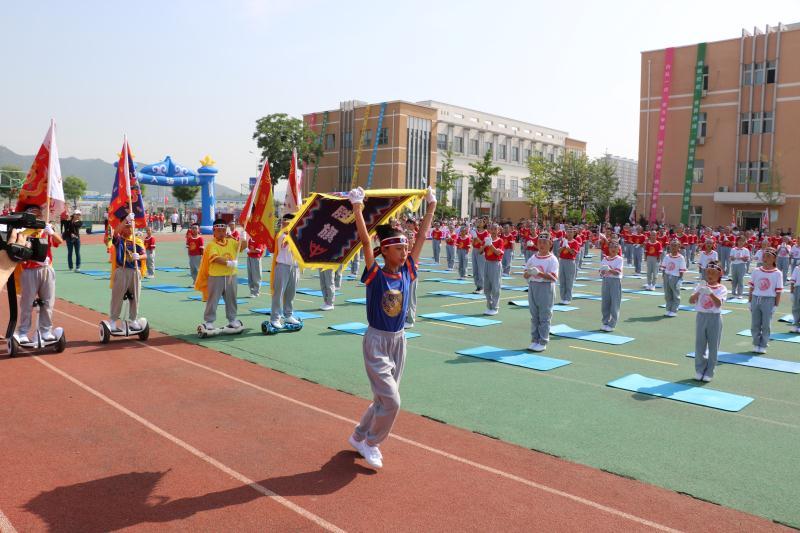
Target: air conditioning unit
[
  {"x": 705, "y": 92},
  {"x": 722, "y": 189},
  {"x": 701, "y": 140}
]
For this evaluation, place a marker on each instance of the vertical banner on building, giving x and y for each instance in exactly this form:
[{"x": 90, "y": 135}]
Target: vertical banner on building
[
  {"x": 666, "y": 85},
  {"x": 375, "y": 145},
  {"x": 698, "y": 93},
  {"x": 321, "y": 143}
]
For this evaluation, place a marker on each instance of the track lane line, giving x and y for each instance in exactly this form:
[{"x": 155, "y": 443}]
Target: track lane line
[{"x": 5, "y": 524}]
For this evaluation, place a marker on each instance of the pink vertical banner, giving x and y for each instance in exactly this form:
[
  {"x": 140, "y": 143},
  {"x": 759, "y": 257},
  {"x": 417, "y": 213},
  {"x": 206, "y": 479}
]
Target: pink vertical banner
[{"x": 662, "y": 128}]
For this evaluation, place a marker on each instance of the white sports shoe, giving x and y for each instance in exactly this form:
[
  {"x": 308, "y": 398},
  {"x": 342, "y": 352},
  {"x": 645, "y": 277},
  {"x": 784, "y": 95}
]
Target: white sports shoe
[
  {"x": 707, "y": 379},
  {"x": 534, "y": 347},
  {"x": 276, "y": 323},
  {"x": 48, "y": 336},
  {"x": 795, "y": 330},
  {"x": 606, "y": 328},
  {"x": 23, "y": 339},
  {"x": 372, "y": 455},
  {"x": 292, "y": 320},
  {"x": 698, "y": 376},
  {"x": 408, "y": 325},
  {"x": 477, "y": 291},
  {"x": 539, "y": 348},
  {"x": 326, "y": 307},
  {"x": 490, "y": 312}
]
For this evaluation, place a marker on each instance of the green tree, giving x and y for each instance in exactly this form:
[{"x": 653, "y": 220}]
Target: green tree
[
  {"x": 276, "y": 136},
  {"x": 771, "y": 191},
  {"x": 604, "y": 183},
  {"x": 481, "y": 183},
  {"x": 185, "y": 193},
  {"x": 11, "y": 179},
  {"x": 446, "y": 180},
  {"x": 74, "y": 189},
  {"x": 537, "y": 187}
]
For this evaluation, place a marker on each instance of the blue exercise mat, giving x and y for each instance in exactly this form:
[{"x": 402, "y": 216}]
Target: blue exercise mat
[
  {"x": 681, "y": 392},
  {"x": 434, "y": 279},
  {"x": 172, "y": 269},
  {"x": 562, "y": 330},
  {"x": 461, "y": 319},
  {"x": 556, "y": 307},
  {"x": 787, "y": 318},
  {"x": 514, "y": 357},
  {"x": 581, "y": 296},
  {"x": 95, "y": 273},
  {"x": 586, "y": 278},
  {"x": 519, "y": 288},
  {"x": 785, "y": 337},
  {"x": 755, "y": 361},
  {"x": 221, "y": 301},
  {"x": 691, "y": 308},
  {"x": 358, "y": 328},
  {"x": 313, "y": 292},
  {"x": 646, "y": 293},
  {"x": 741, "y": 301},
  {"x": 244, "y": 281},
  {"x": 362, "y": 301},
  {"x": 440, "y": 271},
  {"x": 302, "y": 315},
  {"x": 168, "y": 288},
  {"x": 464, "y": 295},
  {"x": 456, "y": 281}
]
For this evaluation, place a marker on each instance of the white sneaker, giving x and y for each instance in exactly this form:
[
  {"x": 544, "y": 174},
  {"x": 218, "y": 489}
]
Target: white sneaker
[
  {"x": 326, "y": 307},
  {"x": 408, "y": 325},
  {"x": 795, "y": 330},
  {"x": 707, "y": 379},
  {"x": 673, "y": 314},
  {"x": 48, "y": 336},
  {"x": 541, "y": 348},
  {"x": 112, "y": 325},
  {"x": 209, "y": 326},
  {"x": 698, "y": 376},
  {"x": 762, "y": 350},
  {"x": 606, "y": 328},
  {"x": 477, "y": 291},
  {"x": 490, "y": 312},
  {"x": 276, "y": 324},
  {"x": 535, "y": 347},
  {"x": 23, "y": 339},
  {"x": 372, "y": 455},
  {"x": 564, "y": 302},
  {"x": 292, "y": 320}
]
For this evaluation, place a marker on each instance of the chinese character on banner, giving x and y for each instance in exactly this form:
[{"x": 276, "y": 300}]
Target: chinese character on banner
[
  {"x": 344, "y": 215},
  {"x": 327, "y": 233}
]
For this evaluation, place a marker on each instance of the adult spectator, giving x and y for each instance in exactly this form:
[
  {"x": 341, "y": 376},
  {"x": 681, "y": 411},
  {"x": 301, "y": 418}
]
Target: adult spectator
[
  {"x": 71, "y": 235},
  {"x": 173, "y": 219}
]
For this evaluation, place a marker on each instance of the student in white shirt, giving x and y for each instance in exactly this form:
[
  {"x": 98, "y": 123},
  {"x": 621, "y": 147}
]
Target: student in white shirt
[
  {"x": 766, "y": 285},
  {"x": 611, "y": 272},
  {"x": 707, "y": 255},
  {"x": 673, "y": 266},
  {"x": 541, "y": 271},
  {"x": 740, "y": 257},
  {"x": 708, "y": 299}
]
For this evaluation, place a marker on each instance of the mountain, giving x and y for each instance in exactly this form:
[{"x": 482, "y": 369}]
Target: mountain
[{"x": 97, "y": 173}]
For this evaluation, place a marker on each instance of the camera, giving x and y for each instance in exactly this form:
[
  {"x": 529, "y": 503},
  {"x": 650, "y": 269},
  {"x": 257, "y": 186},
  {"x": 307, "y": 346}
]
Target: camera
[{"x": 37, "y": 250}]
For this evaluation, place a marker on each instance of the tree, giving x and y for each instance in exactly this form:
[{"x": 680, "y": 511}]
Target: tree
[
  {"x": 447, "y": 179},
  {"x": 74, "y": 189},
  {"x": 771, "y": 191},
  {"x": 11, "y": 179},
  {"x": 481, "y": 183},
  {"x": 537, "y": 186},
  {"x": 276, "y": 136},
  {"x": 185, "y": 193}
]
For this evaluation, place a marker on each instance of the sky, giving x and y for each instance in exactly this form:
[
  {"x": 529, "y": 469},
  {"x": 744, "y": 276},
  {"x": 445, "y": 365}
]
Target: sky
[{"x": 190, "y": 78}]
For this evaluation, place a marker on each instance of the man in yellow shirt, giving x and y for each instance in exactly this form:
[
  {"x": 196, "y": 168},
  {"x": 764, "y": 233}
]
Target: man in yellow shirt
[{"x": 217, "y": 277}]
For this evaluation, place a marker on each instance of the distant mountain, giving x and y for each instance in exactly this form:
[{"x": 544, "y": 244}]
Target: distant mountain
[{"x": 97, "y": 173}]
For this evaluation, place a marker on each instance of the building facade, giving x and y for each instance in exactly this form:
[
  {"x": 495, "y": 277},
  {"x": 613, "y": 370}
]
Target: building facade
[
  {"x": 718, "y": 134},
  {"x": 626, "y": 173}
]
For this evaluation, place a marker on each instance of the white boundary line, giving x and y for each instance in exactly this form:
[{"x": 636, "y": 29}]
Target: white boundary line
[
  {"x": 197, "y": 453},
  {"x": 5, "y": 524},
  {"x": 442, "y": 453}
]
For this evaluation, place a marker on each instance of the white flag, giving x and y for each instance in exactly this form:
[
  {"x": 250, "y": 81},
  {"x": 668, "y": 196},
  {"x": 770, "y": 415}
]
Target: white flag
[{"x": 55, "y": 188}]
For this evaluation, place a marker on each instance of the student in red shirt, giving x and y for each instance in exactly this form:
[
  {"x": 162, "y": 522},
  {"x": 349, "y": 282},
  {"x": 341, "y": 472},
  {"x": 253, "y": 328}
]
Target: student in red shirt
[
  {"x": 255, "y": 252},
  {"x": 194, "y": 245},
  {"x": 463, "y": 241},
  {"x": 652, "y": 253},
  {"x": 567, "y": 269},
  {"x": 436, "y": 241},
  {"x": 232, "y": 231},
  {"x": 508, "y": 249},
  {"x": 450, "y": 246},
  {"x": 150, "y": 252},
  {"x": 493, "y": 250}
]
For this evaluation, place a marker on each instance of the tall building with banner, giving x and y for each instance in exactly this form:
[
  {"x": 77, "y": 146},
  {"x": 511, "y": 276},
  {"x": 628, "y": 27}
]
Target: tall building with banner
[{"x": 718, "y": 131}]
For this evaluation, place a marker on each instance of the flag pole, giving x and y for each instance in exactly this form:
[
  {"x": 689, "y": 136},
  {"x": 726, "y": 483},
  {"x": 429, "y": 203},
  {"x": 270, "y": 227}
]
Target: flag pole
[{"x": 49, "y": 166}]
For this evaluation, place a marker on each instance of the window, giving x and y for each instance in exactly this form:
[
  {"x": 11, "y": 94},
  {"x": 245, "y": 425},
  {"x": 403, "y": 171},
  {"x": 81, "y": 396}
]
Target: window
[
  {"x": 744, "y": 120},
  {"x": 702, "y": 121},
  {"x": 763, "y": 175},
  {"x": 758, "y": 74},
  {"x": 330, "y": 141},
  {"x": 771, "y": 72},
  {"x": 705, "y": 77},
  {"x": 551, "y": 157},
  {"x": 514, "y": 188},
  {"x": 515, "y": 153},
  {"x": 368, "y": 138},
  {"x": 527, "y": 153},
  {"x": 695, "y": 215},
  {"x": 747, "y": 74},
  {"x": 458, "y": 144},
  {"x": 501, "y": 184},
  {"x": 697, "y": 173},
  {"x": 473, "y": 147},
  {"x": 501, "y": 151},
  {"x": 742, "y": 172},
  {"x": 488, "y": 147},
  {"x": 768, "y": 121},
  {"x": 501, "y": 125},
  {"x": 458, "y": 115},
  {"x": 755, "y": 123},
  {"x": 383, "y": 138},
  {"x": 753, "y": 171},
  {"x": 347, "y": 141},
  {"x": 441, "y": 141}
]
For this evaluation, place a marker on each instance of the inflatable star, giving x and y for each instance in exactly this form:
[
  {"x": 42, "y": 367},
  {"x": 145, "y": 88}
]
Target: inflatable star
[{"x": 207, "y": 161}]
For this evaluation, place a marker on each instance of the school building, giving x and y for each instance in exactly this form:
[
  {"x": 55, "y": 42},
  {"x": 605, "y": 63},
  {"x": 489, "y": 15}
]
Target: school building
[
  {"x": 718, "y": 131},
  {"x": 412, "y": 142}
]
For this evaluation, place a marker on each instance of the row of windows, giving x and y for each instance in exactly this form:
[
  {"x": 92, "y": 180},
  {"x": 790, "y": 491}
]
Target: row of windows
[
  {"x": 753, "y": 171},
  {"x": 474, "y": 145},
  {"x": 347, "y": 139},
  {"x": 758, "y": 73},
  {"x": 752, "y": 123}
]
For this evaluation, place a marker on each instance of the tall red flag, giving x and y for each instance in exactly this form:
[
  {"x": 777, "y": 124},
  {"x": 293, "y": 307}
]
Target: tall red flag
[
  {"x": 125, "y": 193},
  {"x": 260, "y": 223},
  {"x": 43, "y": 186}
]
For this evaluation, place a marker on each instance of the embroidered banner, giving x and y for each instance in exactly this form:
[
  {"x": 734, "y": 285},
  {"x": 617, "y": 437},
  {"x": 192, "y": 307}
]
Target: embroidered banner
[
  {"x": 662, "y": 127},
  {"x": 698, "y": 94},
  {"x": 323, "y": 233}
]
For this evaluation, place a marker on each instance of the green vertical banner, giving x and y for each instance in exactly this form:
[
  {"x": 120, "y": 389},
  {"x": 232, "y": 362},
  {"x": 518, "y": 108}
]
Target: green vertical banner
[
  {"x": 698, "y": 93},
  {"x": 321, "y": 142}
]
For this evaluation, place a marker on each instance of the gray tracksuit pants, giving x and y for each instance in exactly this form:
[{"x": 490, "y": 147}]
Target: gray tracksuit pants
[
  {"x": 125, "y": 280},
  {"x": 384, "y": 359},
  {"x": 411, "y": 313},
  {"x": 737, "y": 278},
  {"x": 221, "y": 287},
  {"x": 437, "y": 250},
  {"x": 508, "y": 257},
  {"x": 526, "y": 253},
  {"x": 491, "y": 283},
  {"x": 638, "y": 254},
  {"x": 478, "y": 267},
  {"x": 652, "y": 270},
  {"x": 254, "y": 275},
  {"x": 540, "y": 305},
  {"x": 463, "y": 261},
  {"x": 451, "y": 256},
  {"x": 337, "y": 278},
  {"x": 612, "y": 298},
  {"x": 150, "y": 261},
  {"x": 567, "y": 271},
  {"x": 725, "y": 258},
  {"x": 796, "y": 306},
  {"x": 327, "y": 285},
  {"x": 41, "y": 283},
  {"x": 355, "y": 263},
  {"x": 672, "y": 292},
  {"x": 286, "y": 279},
  {"x": 708, "y": 333},
  {"x": 783, "y": 265},
  {"x": 761, "y": 309},
  {"x": 194, "y": 266}
]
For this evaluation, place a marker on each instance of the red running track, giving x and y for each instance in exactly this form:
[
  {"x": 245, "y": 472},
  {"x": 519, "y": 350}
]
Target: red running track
[{"x": 172, "y": 435}]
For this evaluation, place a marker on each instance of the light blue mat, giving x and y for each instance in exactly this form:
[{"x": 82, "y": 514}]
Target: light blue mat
[
  {"x": 585, "y": 278},
  {"x": 691, "y": 308},
  {"x": 581, "y": 296},
  {"x": 464, "y": 295},
  {"x": 562, "y": 330},
  {"x": 302, "y": 315},
  {"x": 456, "y": 281},
  {"x": 787, "y": 318},
  {"x": 556, "y": 307},
  {"x": 461, "y": 319},
  {"x": 514, "y": 357},
  {"x": 243, "y": 281},
  {"x": 362, "y": 301},
  {"x": 172, "y": 269},
  {"x": 168, "y": 288},
  {"x": 785, "y": 337},
  {"x": 433, "y": 279},
  {"x": 313, "y": 292},
  {"x": 646, "y": 293},
  {"x": 95, "y": 273},
  {"x": 755, "y": 361},
  {"x": 741, "y": 301},
  {"x": 358, "y": 328},
  {"x": 221, "y": 301},
  {"x": 519, "y": 288},
  {"x": 681, "y": 392}
]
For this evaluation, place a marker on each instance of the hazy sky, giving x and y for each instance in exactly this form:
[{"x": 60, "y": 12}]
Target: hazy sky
[{"x": 189, "y": 78}]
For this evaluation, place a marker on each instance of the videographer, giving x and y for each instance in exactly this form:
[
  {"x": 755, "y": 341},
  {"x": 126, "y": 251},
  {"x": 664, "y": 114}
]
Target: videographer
[
  {"x": 7, "y": 264},
  {"x": 72, "y": 236}
]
